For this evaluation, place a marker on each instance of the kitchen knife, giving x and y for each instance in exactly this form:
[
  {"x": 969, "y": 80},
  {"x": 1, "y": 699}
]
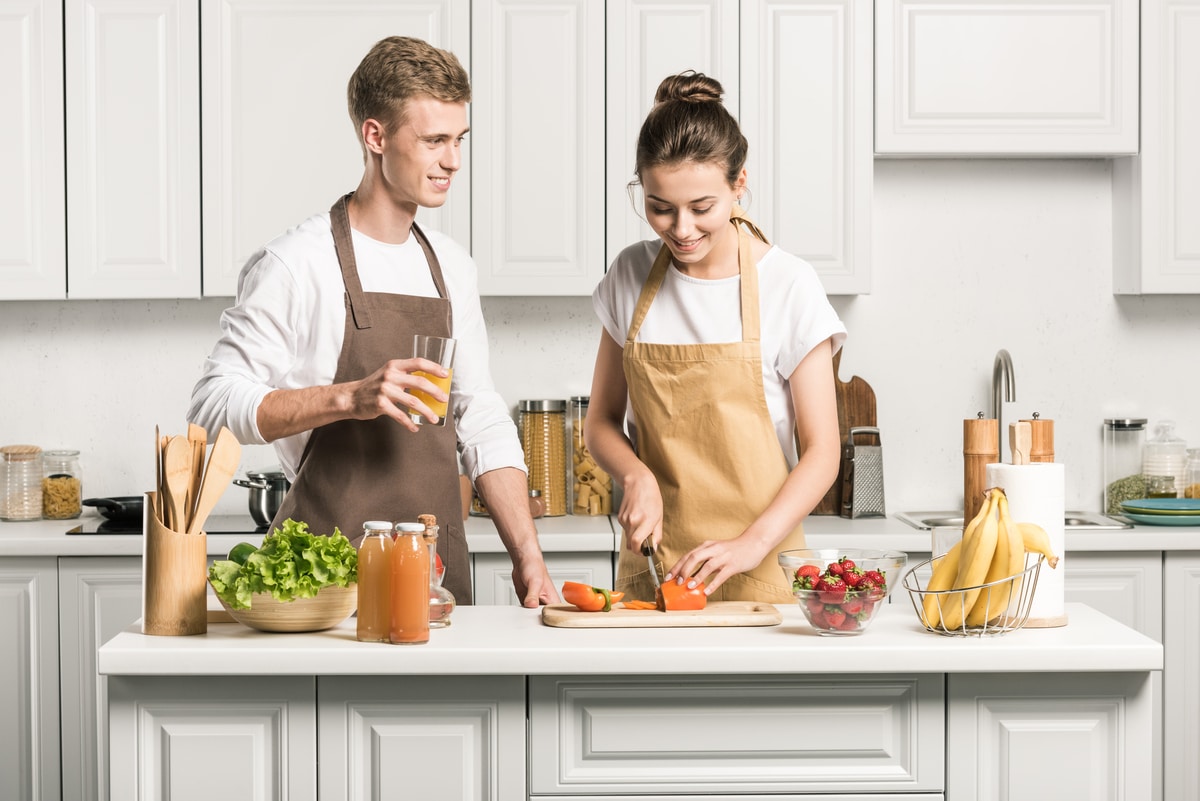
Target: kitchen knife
[{"x": 648, "y": 550}]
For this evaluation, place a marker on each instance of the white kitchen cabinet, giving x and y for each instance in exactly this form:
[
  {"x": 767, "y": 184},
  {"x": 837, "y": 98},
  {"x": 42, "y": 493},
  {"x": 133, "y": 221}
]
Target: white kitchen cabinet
[
  {"x": 647, "y": 40},
  {"x": 1006, "y": 77},
  {"x": 656, "y": 735},
  {"x": 1126, "y": 586},
  {"x": 537, "y": 122},
  {"x": 33, "y": 253},
  {"x": 1181, "y": 676},
  {"x": 1156, "y": 194},
  {"x": 98, "y": 597},
  {"x": 278, "y": 143},
  {"x": 29, "y": 748},
  {"x": 449, "y": 738},
  {"x": 133, "y": 148},
  {"x": 493, "y": 574},
  {"x": 806, "y": 72},
  {"x": 1047, "y": 735},
  {"x": 218, "y": 737}
]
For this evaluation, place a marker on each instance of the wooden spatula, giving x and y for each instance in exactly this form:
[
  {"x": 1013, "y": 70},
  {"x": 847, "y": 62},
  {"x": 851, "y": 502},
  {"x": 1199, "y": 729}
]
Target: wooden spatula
[
  {"x": 158, "y": 487},
  {"x": 198, "y": 439},
  {"x": 177, "y": 472},
  {"x": 222, "y": 465}
]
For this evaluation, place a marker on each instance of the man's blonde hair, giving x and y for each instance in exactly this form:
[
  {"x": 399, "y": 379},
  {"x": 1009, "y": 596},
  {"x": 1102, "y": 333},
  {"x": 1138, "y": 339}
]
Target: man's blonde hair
[{"x": 398, "y": 69}]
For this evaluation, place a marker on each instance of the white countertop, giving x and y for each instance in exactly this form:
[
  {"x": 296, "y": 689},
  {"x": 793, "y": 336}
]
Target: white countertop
[
  {"x": 574, "y": 534},
  {"x": 509, "y": 640}
]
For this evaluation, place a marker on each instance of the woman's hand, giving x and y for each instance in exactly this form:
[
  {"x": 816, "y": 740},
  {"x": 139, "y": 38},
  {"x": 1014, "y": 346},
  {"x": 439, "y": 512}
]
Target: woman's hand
[
  {"x": 715, "y": 561},
  {"x": 641, "y": 512}
]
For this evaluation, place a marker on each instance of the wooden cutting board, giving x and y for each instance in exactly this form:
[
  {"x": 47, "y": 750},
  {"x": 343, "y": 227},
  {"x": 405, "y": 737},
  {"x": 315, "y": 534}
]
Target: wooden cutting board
[
  {"x": 856, "y": 409},
  {"x": 717, "y": 613}
]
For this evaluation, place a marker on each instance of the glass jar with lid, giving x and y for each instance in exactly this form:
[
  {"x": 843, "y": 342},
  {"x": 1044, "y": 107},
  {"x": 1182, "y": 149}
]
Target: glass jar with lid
[
  {"x": 543, "y": 430},
  {"x": 591, "y": 486},
  {"x": 21, "y": 492},
  {"x": 1165, "y": 454},
  {"x": 1123, "y": 439},
  {"x": 1191, "y": 483},
  {"x": 62, "y": 485}
]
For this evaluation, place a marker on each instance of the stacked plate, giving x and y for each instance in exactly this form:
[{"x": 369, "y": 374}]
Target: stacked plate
[{"x": 1163, "y": 511}]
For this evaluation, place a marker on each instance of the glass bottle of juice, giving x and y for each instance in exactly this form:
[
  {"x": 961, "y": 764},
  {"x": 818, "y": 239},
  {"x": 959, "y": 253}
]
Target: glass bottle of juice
[
  {"x": 375, "y": 582},
  {"x": 441, "y": 600},
  {"x": 410, "y": 585}
]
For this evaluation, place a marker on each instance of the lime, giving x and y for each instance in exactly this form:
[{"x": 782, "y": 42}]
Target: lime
[{"x": 241, "y": 552}]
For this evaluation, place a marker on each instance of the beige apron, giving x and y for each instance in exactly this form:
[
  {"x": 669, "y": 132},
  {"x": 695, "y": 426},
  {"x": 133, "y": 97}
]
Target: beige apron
[
  {"x": 704, "y": 430},
  {"x": 352, "y": 471}
]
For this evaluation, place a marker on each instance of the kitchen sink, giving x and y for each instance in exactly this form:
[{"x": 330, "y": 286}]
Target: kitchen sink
[{"x": 1075, "y": 521}]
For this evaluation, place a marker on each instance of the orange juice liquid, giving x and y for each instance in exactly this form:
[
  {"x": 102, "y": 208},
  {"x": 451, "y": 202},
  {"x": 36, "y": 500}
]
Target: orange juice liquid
[
  {"x": 438, "y": 407},
  {"x": 375, "y": 589},
  {"x": 410, "y": 589}
]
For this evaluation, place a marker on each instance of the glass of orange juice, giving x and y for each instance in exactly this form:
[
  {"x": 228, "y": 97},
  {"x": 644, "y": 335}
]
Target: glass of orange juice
[{"x": 441, "y": 351}]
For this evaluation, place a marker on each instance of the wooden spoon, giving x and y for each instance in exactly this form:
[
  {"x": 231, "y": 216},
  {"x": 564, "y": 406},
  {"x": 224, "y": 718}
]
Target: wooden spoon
[
  {"x": 198, "y": 438},
  {"x": 158, "y": 504},
  {"x": 222, "y": 465},
  {"x": 177, "y": 471}
]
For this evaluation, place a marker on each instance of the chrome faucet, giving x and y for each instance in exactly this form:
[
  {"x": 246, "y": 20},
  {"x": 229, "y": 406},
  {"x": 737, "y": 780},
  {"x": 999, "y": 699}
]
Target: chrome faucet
[{"x": 1002, "y": 373}]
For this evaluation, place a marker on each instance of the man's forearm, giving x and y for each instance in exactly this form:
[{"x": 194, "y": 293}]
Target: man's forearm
[{"x": 285, "y": 412}]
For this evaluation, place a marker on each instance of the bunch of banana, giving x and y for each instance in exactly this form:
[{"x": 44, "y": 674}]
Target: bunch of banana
[{"x": 993, "y": 548}]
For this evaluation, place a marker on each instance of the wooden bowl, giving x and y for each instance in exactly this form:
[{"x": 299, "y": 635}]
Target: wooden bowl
[{"x": 329, "y": 607}]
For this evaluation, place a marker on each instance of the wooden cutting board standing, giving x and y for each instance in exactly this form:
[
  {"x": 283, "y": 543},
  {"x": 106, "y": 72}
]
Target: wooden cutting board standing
[
  {"x": 716, "y": 613},
  {"x": 856, "y": 409}
]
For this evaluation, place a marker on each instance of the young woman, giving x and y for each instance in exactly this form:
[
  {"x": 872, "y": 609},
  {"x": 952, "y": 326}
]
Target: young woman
[{"x": 715, "y": 360}]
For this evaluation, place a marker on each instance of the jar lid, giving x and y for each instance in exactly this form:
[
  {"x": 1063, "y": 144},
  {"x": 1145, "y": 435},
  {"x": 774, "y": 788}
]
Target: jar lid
[
  {"x": 584, "y": 399},
  {"x": 535, "y": 493},
  {"x": 60, "y": 454},
  {"x": 543, "y": 405},
  {"x": 20, "y": 453},
  {"x": 372, "y": 525},
  {"x": 1125, "y": 423},
  {"x": 410, "y": 528}
]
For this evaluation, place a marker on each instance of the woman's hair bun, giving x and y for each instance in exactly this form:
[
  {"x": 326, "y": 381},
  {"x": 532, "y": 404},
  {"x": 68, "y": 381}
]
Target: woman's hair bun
[{"x": 689, "y": 87}]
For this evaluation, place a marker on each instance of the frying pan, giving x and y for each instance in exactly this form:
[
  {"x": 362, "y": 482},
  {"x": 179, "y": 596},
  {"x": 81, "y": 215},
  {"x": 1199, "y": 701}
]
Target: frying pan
[{"x": 123, "y": 508}]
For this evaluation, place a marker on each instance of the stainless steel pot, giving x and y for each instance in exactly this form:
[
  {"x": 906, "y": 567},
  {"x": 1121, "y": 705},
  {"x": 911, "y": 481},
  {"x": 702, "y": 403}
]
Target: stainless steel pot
[{"x": 267, "y": 490}]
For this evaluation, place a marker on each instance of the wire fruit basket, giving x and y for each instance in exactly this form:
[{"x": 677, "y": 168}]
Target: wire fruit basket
[{"x": 1018, "y": 590}]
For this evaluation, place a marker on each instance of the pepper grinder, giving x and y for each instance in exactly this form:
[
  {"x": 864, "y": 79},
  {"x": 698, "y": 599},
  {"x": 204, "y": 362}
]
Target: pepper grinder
[
  {"x": 1041, "y": 439},
  {"x": 980, "y": 448}
]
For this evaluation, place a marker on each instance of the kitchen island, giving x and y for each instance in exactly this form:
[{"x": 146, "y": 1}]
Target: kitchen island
[{"x": 500, "y": 706}]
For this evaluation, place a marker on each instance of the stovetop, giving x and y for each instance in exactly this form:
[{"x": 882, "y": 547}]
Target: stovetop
[{"x": 216, "y": 524}]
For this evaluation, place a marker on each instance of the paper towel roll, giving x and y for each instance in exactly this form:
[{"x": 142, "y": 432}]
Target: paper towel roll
[{"x": 1037, "y": 494}]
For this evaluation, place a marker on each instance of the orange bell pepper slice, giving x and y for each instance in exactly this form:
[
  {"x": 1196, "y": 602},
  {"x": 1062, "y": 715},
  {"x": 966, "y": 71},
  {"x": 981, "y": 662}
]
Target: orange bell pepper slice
[
  {"x": 672, "y": 597},
  {"x": 589, "y": 599}
]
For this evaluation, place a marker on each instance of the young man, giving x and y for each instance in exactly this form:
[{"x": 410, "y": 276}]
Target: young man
[{"x": 315, "y": 355}]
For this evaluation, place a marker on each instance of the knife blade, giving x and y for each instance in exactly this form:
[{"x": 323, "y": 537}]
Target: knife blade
[{"x": 649, "y": 551}]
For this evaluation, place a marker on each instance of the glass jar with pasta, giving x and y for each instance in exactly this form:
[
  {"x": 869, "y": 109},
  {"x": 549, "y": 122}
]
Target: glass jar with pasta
[
  {"x": 591, "y": 487},
  {"x": 542, "y": 427},
  {"x": 62, "y": 485}
]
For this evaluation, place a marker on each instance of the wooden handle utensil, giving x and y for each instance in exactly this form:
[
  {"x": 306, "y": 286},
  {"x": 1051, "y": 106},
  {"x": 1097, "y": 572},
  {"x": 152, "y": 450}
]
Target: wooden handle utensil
[
  {"x": 177, "y": 473},
  {"x": 1020, "y": 435},
  {"x": 222, "y": 465}
]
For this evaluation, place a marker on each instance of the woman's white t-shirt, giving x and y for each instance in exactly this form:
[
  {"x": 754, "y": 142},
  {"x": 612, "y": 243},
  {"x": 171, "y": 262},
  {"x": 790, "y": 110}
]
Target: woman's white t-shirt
[{"x": 795, "y": 316}]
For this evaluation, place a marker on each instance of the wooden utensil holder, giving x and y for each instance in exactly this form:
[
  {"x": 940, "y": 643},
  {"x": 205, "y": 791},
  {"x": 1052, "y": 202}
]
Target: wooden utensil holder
[{"x": 174, "y": 578}]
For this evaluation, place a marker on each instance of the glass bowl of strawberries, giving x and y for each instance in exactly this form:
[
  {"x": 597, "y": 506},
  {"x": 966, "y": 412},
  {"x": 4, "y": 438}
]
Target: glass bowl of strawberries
[{"x": 841, "y": 590}]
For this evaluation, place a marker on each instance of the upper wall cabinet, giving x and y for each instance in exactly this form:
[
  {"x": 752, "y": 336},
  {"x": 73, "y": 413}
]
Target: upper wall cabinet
[
  {"x": 538, "y": 130},
  {"x": 32, "y": 194},
  {"x": 1156, "y": 195},
  {"x": 1006, "y": 77},
  {"x": 278, "y": 143},
  {"x": 806, "y": 110},
  {"x": 133, "y": 148},
  {"x": 647, "y": 41}
]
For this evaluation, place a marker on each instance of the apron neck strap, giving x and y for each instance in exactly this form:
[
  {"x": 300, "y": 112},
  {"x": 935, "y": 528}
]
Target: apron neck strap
[{"x": 339, "y": 220}]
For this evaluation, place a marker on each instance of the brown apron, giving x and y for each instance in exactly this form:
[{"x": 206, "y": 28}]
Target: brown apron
[
  {"x": 704, "y": 430},
  {"x": 352, "y": 471}
]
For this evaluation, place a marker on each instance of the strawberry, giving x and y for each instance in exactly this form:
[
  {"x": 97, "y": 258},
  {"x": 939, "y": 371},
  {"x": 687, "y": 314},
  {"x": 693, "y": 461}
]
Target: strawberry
[
  {"x": 852, "y": 605},
  {"x": 806, "y": 576},
  {"x": 853, "y": 578},
  {"x": 834, "y": 569},
  {"x": 834, "y": 617},
  {"x": 851, "y": 623},
  {"x": 832, "y": 589},
  {"x": 848, "y": 563},
  {"x": 876, "y": 576},
  {"x": 817, "y": 618},
  {"x": 814, "y": 603}
]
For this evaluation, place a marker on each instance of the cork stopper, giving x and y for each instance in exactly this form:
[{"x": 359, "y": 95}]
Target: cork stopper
[{"x": 427, "y": 520}]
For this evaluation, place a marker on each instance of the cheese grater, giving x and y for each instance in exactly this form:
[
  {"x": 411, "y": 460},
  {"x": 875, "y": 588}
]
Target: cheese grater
[{"x": 862, "y": 475}]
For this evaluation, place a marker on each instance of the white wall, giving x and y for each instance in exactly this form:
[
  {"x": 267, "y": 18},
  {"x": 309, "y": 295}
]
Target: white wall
[{"x": 969, "y": 257}]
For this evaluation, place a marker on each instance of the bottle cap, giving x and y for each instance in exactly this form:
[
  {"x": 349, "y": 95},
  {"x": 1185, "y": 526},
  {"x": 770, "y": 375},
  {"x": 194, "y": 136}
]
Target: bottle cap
[
  {"x": 372, "y": 525},
  {"x": 410, "y": 528}
]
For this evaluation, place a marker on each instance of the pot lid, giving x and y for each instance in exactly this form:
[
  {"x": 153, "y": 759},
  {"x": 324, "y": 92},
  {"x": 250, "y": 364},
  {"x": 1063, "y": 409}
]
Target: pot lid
[{"x": 266, "y": 474}]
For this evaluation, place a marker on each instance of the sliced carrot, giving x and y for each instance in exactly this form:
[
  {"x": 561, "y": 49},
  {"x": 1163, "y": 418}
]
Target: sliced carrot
[{"x": 639, "y": 605}]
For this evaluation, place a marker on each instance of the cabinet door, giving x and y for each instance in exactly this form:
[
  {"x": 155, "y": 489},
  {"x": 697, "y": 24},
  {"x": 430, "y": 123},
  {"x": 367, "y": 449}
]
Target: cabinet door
[
  {"x": 806, "y": 111},
  {"x": 278, "y": 143},
  {"x": 98, "y": 597},
  {"x": 1181, "y": 677},
  {"x": 538, "y": 129},
  {"x": 1156, "y": 195},
  {"x": 1007, "y": 77},
  {"x": 33, "y": 249},
  {"x": 493, "y": 574},
  {"x": 133, "y": 148},
  {"x": 1125, "y": 586},
  {"x": 421, "y": 737},
  {"x": 29, "y": 751},
  {"x": 647, "y": 40},
  {"x": 198, "y": 738}
]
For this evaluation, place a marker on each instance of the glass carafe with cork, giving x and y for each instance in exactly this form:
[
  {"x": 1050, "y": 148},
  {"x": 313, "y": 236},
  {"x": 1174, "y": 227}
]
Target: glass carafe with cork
[{"x": 441, "y": 600}]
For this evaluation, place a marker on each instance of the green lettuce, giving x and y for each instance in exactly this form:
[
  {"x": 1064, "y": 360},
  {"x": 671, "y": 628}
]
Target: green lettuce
[{"x": 291, "y": 563}]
